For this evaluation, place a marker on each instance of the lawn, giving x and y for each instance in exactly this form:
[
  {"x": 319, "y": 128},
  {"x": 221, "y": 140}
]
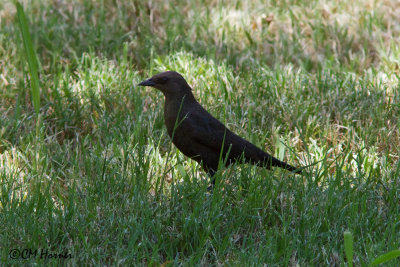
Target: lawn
[{"x": 88, "y": 174}]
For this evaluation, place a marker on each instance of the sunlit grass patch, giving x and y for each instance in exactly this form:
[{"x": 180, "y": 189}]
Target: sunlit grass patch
[{"x": 14, "y": 176}]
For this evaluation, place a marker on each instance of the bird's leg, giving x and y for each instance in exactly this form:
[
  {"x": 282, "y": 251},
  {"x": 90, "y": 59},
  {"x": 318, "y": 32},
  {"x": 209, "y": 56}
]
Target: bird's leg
[{"x": 211, "y": 173}]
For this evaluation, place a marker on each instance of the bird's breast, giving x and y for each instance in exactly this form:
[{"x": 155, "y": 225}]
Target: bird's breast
[{"x": 172, "y": 120}]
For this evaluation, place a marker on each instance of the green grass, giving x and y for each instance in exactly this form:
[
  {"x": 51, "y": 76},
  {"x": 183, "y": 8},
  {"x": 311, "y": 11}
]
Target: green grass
[{"x": 99, "y": 179}]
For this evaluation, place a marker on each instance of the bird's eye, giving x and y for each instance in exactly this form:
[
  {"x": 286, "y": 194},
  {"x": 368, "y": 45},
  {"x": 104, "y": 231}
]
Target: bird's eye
[{"x": 163, "y": 79}]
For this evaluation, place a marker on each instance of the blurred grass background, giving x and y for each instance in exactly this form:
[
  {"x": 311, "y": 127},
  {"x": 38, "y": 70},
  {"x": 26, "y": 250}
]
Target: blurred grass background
[{"x": 101, "y": 180}]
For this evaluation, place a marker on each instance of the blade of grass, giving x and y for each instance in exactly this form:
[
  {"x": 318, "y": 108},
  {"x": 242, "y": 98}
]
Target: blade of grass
[
  {"x": 386, "y": 257},
  {"x": 31, "y": 57},
  {"x": 348, "y": 247}
]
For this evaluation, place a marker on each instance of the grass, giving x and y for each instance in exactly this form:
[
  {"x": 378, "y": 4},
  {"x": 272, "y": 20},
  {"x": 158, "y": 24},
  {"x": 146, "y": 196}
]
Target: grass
[{"x": 100, "y": 183}]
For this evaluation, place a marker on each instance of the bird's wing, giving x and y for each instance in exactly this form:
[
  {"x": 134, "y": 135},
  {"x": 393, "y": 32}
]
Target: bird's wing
[
  {"x": 211, "y": 133},
  {"x": 205, "y": 130}
]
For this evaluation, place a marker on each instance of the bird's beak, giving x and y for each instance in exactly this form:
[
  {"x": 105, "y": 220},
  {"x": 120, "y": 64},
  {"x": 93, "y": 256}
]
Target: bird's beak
[{"x": 148, "y": 82}]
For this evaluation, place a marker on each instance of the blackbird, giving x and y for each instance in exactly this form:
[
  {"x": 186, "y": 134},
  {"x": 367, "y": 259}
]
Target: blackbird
[{"x": 200, "y": 136}]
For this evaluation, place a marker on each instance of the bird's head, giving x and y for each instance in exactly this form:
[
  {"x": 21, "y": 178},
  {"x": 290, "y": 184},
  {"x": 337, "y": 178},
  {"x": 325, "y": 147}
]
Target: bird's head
[{"x": 169, "y": 82}]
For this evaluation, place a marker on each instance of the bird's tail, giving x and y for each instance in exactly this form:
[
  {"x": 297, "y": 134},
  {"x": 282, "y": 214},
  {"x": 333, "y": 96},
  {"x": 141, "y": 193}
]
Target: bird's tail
[
  {"x": 277, "y": 163},
  {"x": 269, "y": 161},
  {"x": 255, "y": 155}
]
